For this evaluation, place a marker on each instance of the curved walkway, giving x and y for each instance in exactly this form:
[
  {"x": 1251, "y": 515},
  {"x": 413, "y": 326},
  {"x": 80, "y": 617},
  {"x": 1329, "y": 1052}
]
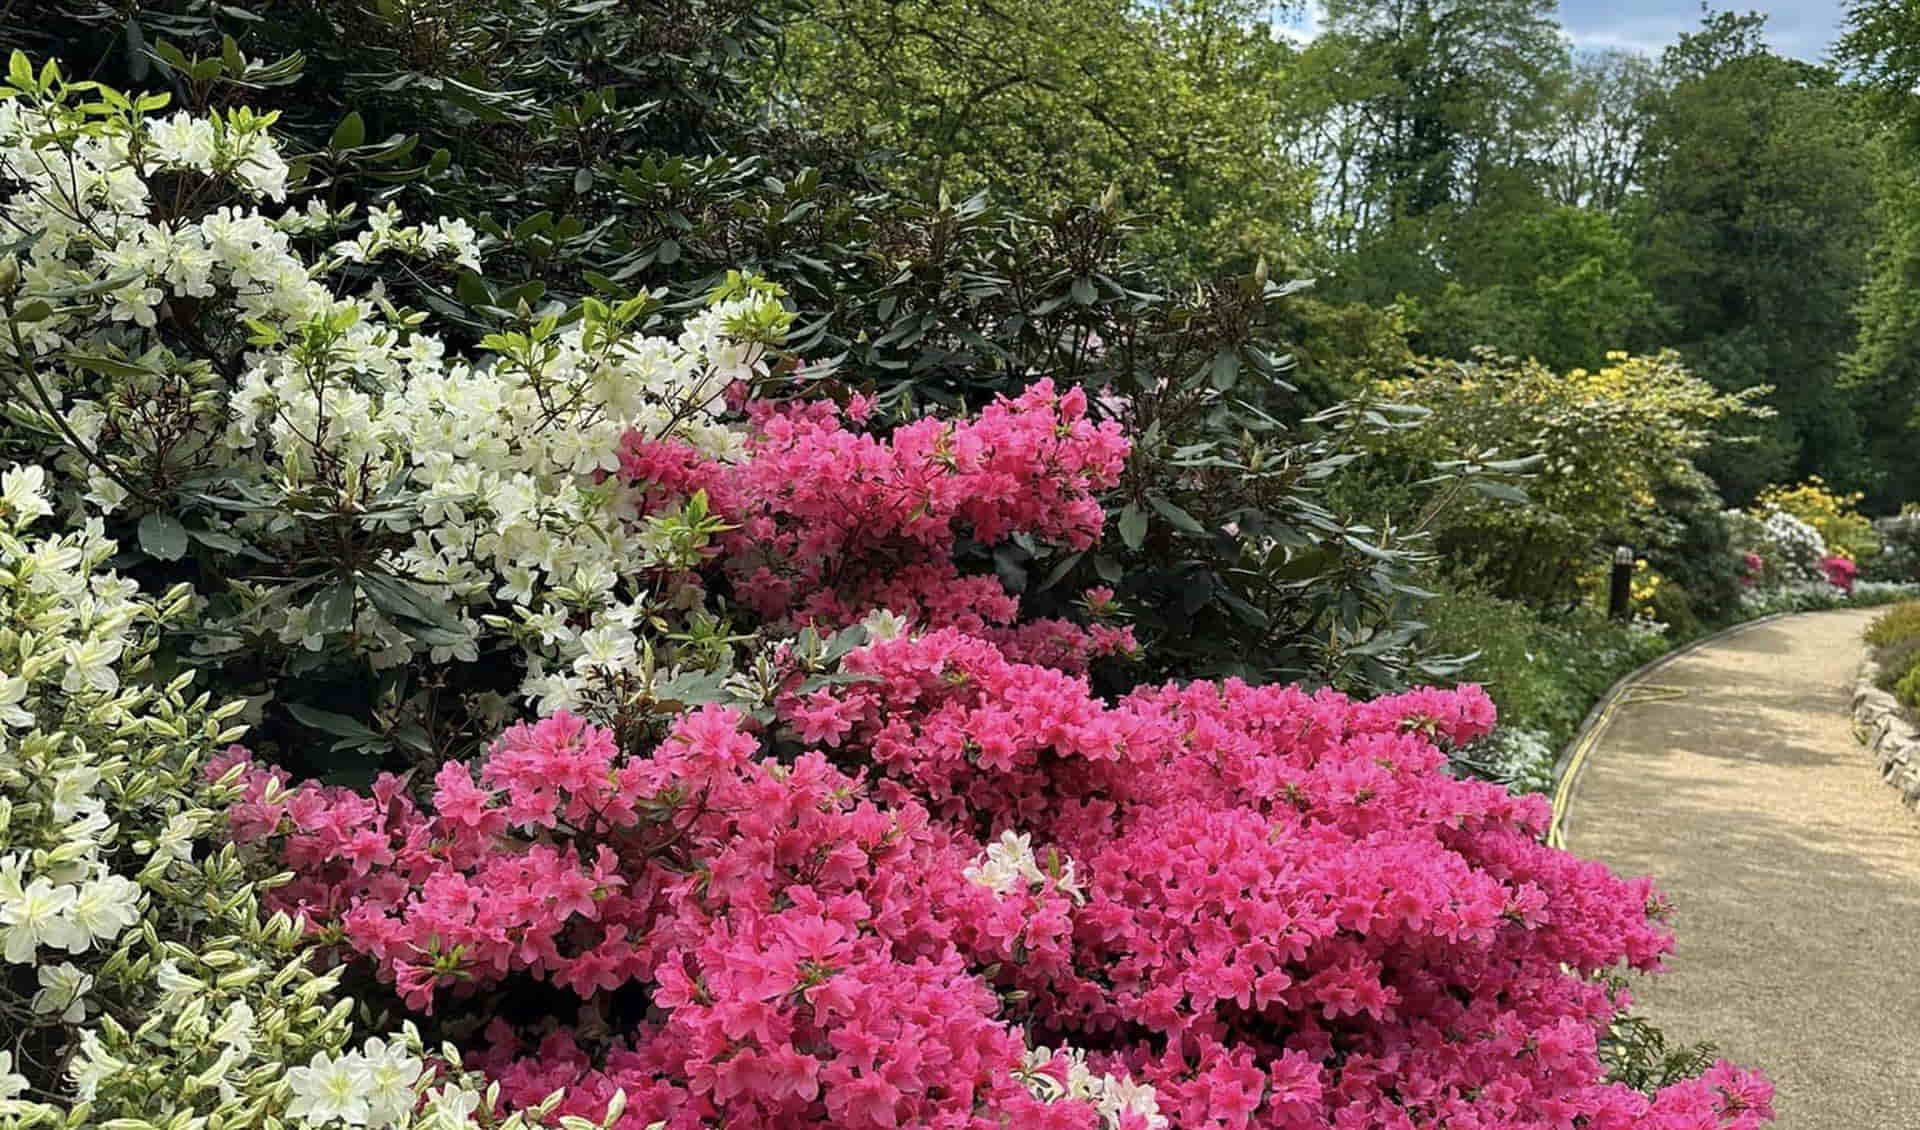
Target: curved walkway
[{"x": 1795, "y": 872}]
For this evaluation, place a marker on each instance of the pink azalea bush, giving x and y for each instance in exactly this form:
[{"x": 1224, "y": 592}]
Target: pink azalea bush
[
  {"x": 1839, "y": 571},
  {"x": 955, "y": 888}
]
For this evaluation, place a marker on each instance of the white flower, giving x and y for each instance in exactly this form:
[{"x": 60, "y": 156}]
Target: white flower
[
  {"x": 63, "y": 989},
  {"x": 23, "y": 494},
  {"x": 11, "y": 1085},
  {"x": 235, "y": 1029},
  {"x": 73, "y": 792},
  {"x": 38, "y": 918},
  {"x": 885, "y": 624},
  {"x": 391, "y": 1073},
  {"x": 92, "y": 1066},
  {"x": 106, "y": 906},
  {"x": 91, "y": 664},
  {"x": 449, "y": 1107},
  {"x": 327, "y": 1089},
  {"x": 13, "y": 692},
  {"x": 176, "y": 987},
  {"x": 183, "y": 141}
]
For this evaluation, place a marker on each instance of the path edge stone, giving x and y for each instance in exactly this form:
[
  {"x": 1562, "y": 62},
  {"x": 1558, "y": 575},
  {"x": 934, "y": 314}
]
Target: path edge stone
[{"x": 1882, "y": 726}]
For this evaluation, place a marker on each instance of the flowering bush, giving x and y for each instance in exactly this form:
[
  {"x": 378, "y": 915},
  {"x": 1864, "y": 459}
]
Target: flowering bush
[
  {"x": 141, "y": 984},
  {"x": 1217, "y": 891},
  {"x": 1844, "y": 529},
  {"x": 1605, "y": 444},
  {"x": 1789, "y": 550},
  {"x": 816, "y": 829},
  {"x": 1840, "y": 572}
]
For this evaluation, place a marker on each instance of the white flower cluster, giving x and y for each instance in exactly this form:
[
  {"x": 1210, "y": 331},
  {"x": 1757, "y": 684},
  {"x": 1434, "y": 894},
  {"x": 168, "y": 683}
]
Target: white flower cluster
[
  {"x": 1520, "y": 758},
  {"x": 371, "y": 1087},
  {"x": 1795, "y": 542},
  {"x": 1113, "y": 1096},
  {"x": 481, "y": 479},
  {"x": 169, "y": 999},
  {"x": 64, "y": 626},
  {"x": 1009, "y": 864}
]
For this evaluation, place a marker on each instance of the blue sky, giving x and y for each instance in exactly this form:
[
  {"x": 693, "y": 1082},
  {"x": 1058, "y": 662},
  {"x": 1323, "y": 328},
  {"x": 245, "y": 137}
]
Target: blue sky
[{"x": 1803, "y": 28}]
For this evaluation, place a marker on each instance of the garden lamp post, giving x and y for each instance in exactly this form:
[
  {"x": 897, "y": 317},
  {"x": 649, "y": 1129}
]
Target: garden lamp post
[{"x": 1621, "y": 591}]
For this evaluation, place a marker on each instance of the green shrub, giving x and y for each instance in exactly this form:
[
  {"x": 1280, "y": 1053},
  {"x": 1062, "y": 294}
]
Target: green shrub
[
  {"x": 1604, "y": 442},
  {"x": 1544, "y": 675},
  {"x": 1901, "y": 622},
  {"x": 1896, "y": 660}
]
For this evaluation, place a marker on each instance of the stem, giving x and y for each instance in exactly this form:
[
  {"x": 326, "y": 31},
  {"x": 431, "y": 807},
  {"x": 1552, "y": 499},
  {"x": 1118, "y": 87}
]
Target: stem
[{"x": 47, "y": 405}]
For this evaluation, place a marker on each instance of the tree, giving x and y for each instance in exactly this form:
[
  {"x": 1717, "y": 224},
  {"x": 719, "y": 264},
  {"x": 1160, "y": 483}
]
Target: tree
[
  {"x": 1882, "y": 47},
  {"x": 1595, "y": 139},
  {"x": 1752, "y": 232},
  {"x": 1173, "y": 105},
  {"x": 1450, "y": 91}
]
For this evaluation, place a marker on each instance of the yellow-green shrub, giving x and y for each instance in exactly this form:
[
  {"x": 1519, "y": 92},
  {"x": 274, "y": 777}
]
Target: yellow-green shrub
[
  {"x": 1901, "y": 622},
  {"x": 1607, "y": 440}
]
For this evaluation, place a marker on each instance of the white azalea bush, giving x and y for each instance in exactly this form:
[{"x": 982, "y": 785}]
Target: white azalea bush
[
  {"x": 227, "y": 380},
  {"x": 140, "y": 984}
]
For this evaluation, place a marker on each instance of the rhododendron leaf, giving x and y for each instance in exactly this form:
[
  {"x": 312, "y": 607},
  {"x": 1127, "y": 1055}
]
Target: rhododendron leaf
[
  {"x": 1242, "y": 609},
  {"x": 1224, "y": 373},
  {"x": 227, "y": 543},
  {"x": 327, "y": 722},
  {"x": 1132, "y": 526},
  {"x": 1007, "y": 565},
  {"x": 350, "y": 133},
  {"x": 407, "y": 600},
  {"x": 162, "y": 536},
  {"x": 1500, "y": 492},
  {"x": 844, "y": 641},
  {"x": 1061, "y": 569},
  {"x": 1182, "y": 521},
  {"x": 332, "y": 612}
]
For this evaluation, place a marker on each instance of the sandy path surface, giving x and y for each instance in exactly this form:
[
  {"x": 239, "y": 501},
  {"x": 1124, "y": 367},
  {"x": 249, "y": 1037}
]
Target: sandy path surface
[{"x": 1796, "y": 873}]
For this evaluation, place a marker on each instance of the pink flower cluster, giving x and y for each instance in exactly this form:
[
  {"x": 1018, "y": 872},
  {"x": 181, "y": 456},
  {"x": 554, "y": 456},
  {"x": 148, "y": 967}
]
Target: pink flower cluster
[
  {"x": 1241, "y": 908},
  {"x": 1840, "y": 572},
  {"x": 1292, "y": 916},
  {"x": 1753, "y": 567},
  {"x": 831, "y": 522}
]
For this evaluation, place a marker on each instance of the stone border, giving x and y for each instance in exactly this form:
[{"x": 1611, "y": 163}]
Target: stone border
[{"x": 1882, "y": 725}]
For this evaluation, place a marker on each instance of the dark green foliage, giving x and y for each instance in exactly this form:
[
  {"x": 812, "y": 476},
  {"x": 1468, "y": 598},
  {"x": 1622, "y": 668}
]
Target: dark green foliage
[
  {"x": 1752, "y": 233},
  {"x": 1637, "y": 1053},
  {"x": 1544, "y": 674},
  {"x": 1686, "y": 540}
]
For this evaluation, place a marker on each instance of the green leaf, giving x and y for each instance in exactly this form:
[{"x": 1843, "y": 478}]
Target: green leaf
[
  {"x": 1060, "y": 570},
  {"x": 1133, "y": 525},
  {"x": 333, "y": 609},
  {"x": 162, "y": 536},
  {"x": 1226, "y": 369},
  {"x": 327, "y": 722},
  {"x": 1182, "y": 521},
  {"x": 350, "y": 133},
  {"x": 1501, "y": 492},
  {"x": 1083, "y": 291},
  {"x": 226, "y": 543}
]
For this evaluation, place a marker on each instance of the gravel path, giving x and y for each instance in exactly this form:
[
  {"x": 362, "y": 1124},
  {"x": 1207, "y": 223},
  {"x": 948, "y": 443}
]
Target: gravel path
[{"x": 1796, "y": 873}]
